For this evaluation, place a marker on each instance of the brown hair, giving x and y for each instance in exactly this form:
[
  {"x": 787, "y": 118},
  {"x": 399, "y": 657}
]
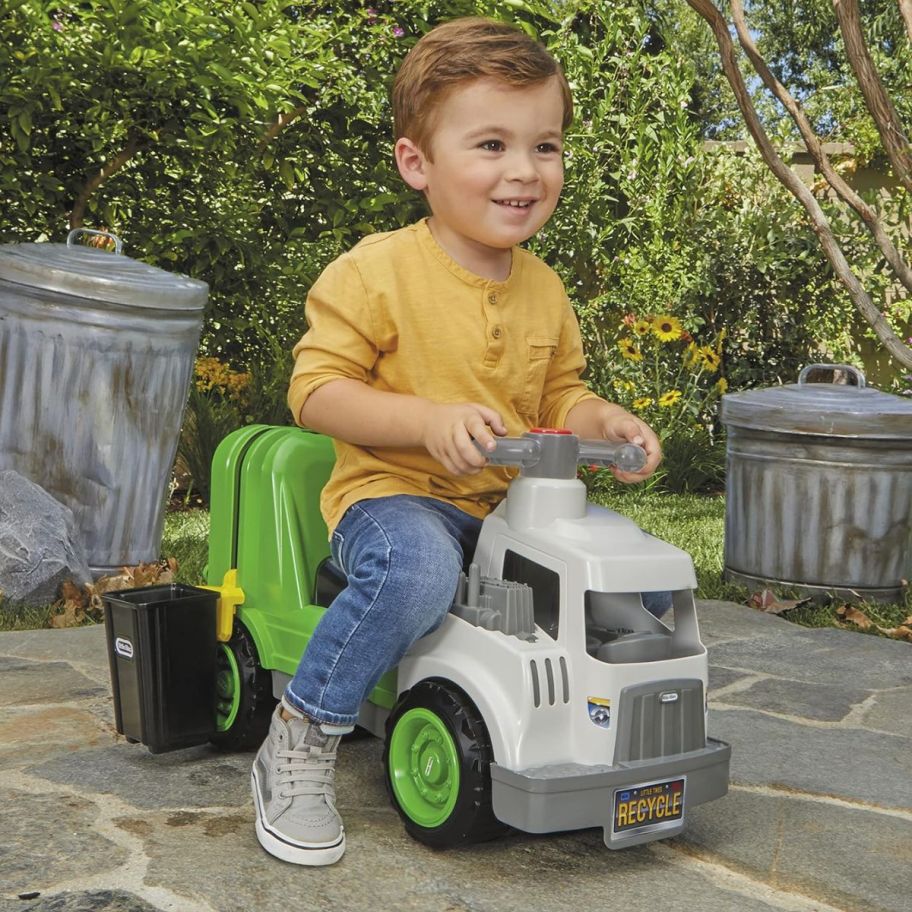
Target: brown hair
[{"x": 459, "y": 52}]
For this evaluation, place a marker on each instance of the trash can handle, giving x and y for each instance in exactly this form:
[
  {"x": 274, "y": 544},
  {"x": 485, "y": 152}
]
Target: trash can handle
[
  {"x": 860, "y": 381},
  {"x": 71, "y": 237}
]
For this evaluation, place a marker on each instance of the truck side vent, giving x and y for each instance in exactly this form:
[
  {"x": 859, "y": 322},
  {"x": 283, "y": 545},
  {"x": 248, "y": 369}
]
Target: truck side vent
[
  {"x": 550, "y": 681},
  {"x": 660, "y": 719},
  {"x": 549, "y": 672}
]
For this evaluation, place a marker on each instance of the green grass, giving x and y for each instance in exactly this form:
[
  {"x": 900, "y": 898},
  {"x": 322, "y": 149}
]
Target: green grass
[
  {"x": 25, "y": 617},
  {"x": 186, "y": 538}
]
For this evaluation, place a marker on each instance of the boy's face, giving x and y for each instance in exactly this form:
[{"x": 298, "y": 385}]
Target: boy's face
[{"x": 497, "y": 169}]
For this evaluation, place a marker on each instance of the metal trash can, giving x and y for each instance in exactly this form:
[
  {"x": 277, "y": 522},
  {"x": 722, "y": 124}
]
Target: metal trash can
[
  {"x": 819, "y": 487},
  {"x": 96, "y": 356}
]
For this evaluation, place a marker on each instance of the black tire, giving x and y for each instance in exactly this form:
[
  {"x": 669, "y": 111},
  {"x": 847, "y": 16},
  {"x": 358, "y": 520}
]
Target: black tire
[
  {"x": 245, "y": 689},
  {"x": 448, "y": 822}
]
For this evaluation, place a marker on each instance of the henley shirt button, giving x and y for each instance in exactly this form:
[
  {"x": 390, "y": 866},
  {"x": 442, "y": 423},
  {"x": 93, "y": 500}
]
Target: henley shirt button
[
  {"x": 492, "y": 298},
  {"x": 496, "y": 332}
]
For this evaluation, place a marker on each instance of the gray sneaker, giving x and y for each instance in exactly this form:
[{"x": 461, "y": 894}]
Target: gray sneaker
[{"x": 294, "y": 793}]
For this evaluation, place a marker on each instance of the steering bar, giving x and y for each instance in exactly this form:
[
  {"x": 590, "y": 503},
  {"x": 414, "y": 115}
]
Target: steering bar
[{"x": 547, "y": 453}]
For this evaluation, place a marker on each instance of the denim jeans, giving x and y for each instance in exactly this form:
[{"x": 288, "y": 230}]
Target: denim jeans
[{"x": 402, "y": 556}]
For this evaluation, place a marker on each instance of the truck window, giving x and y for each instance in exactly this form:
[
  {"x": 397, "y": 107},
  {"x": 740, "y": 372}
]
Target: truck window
[{"x": 545, "y": 586}]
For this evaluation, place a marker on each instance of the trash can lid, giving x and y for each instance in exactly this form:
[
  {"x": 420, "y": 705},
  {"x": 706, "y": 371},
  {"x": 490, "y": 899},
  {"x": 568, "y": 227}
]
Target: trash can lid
[
  {"x": 823, "y": 409},
  {"x": 100, "y": 276}
]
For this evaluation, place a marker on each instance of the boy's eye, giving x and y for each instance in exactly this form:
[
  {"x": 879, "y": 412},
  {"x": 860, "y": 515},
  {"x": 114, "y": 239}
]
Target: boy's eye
[
  {"x": 548, "y": 148},
  {"x": 492, "y": 145}
]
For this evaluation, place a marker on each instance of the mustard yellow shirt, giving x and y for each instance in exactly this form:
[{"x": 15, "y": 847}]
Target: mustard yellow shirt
[{"x": 397, "y": 313}]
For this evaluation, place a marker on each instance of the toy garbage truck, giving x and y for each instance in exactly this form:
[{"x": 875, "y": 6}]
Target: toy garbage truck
[{"x": 550, "y": 699}]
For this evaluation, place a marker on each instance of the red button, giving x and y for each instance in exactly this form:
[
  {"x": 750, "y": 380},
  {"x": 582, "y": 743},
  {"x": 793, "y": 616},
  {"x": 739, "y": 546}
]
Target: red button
[{"x": 550, "y": 431}]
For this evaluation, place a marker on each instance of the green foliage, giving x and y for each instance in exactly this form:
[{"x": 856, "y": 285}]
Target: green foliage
[
  {"x": 803, "y": 45},
  {"x": 765, "y": 280}
]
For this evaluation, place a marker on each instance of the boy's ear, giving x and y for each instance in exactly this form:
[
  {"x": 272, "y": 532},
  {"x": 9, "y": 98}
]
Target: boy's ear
[{"x": 410, "y": 161}]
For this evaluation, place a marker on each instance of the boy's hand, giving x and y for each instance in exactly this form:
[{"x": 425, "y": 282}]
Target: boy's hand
[
  {"x": 595, "y": 418},
  {"x": 622, "y": 427},
  {"x": 450, "y": 430}
]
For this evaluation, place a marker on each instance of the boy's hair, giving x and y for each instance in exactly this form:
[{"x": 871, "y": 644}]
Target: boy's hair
[{"x": 459, "y": 52}]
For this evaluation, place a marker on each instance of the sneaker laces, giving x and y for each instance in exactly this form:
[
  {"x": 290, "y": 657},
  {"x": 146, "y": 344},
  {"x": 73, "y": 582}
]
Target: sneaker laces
[{"x": 307, "y": 770}]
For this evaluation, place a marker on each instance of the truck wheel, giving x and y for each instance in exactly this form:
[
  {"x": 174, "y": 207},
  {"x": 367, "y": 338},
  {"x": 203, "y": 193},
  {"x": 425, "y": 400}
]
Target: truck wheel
[
  {"x": 437, "y": 759},
  {"x": 244, "y": 700}
]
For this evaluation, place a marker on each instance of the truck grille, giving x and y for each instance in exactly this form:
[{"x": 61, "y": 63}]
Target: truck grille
[{"x": 660, "y": 719}]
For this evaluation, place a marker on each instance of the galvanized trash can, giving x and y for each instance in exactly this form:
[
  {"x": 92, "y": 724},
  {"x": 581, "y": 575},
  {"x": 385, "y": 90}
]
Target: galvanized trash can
[
  {"x": 819, "y": 487},
  {"x": 96, "y": 356}
]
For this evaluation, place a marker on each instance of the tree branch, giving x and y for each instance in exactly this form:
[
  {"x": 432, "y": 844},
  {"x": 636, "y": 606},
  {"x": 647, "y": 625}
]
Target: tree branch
[
  {"x": 108, "y": 169},
  {"x": 905, "y": 7},
  {"x": 866, "y": 213},
  {"x": 862, "y": 300},
  {"x": 279, "y": 124},
  {"x": 895, "y": 142}
]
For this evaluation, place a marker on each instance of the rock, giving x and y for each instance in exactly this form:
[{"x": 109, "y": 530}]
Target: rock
[{"x": 38, "y": 547}]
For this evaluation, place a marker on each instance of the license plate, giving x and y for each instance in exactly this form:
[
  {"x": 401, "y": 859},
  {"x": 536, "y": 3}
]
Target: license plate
[{"x": 654, "y": 805}]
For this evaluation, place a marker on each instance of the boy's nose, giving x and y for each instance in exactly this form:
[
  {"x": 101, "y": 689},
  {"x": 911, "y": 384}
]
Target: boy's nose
[{"x": 521, "y": 168}]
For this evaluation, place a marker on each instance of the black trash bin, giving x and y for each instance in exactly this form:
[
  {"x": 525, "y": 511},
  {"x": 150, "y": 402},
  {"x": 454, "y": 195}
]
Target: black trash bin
[{"x": 162, "y": 651}]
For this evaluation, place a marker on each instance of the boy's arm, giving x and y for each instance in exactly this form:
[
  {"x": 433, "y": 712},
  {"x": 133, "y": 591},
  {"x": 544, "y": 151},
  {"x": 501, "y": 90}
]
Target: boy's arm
[
  {"x": 352, "y": 411},
  {"x": 329, "y": 390}
]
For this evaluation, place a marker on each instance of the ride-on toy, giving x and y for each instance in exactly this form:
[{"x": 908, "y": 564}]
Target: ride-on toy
[{"x": 549, "y": 699}]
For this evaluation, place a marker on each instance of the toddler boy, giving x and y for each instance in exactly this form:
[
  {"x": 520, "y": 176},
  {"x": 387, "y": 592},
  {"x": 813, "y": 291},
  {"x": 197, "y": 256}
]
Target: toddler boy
[{"x": 421, "y": 341}]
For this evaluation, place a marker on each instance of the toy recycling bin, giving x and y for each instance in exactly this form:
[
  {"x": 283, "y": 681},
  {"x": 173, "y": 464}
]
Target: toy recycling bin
[
  {"x": 819, "y": 487},
  {"x": 96, "y": 356},
  {"x": 162, "y": 650}
]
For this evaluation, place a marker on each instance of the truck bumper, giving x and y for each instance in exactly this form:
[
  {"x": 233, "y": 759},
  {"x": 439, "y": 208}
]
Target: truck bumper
[{"x": 572, "y": 796}]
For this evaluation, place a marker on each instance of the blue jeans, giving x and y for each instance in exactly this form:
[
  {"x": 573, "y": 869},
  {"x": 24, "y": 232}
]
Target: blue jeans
[{"x": 402, "y": 556}]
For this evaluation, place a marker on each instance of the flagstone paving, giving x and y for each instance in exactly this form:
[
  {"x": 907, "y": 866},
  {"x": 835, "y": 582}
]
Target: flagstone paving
[{"x": 818, "y": 817}]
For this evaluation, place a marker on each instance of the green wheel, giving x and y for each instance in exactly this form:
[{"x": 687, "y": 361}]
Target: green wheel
[
  {"x": 244, "y": 700},
  {"x": 227, "y": 688},
  {"x": 437, "y": 760}
]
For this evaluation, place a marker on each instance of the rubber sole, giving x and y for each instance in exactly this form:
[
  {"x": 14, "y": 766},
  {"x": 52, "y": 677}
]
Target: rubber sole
[{"x": 300, "y": 853}]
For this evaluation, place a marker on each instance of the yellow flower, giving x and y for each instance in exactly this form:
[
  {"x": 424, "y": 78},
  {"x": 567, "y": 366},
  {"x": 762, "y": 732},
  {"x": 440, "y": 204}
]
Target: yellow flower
[
  {"x": 666, "y": 400},
  {"x": 642, "y": 326},
  {"x": 667, "y": 329},
  {"x": 213, "y": 375},
  {"x": 691, "y": 355},
  {"x": 629, "y": 350},
  {"x": 642, "y": 403},
  {"x": 721, "y": 385},
  {"x": 710, "y": 358}
]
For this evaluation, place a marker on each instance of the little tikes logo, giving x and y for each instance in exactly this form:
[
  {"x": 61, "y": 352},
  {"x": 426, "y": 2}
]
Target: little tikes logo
[{"x": 123, "y": 647}]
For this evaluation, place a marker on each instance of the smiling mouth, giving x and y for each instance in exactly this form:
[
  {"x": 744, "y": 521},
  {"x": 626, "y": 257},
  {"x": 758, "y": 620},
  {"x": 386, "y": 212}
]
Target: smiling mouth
[{"x": 515, "y": 204}]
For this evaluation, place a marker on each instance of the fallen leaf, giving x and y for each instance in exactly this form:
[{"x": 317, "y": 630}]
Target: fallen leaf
[
  {"x": 902, "y": 632},
  {"x": 768, "y": 602},
  {"x": 854, "y": 616},
  {"x": 138, "y": 576},
  {"x": 72, "y": 605}
]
